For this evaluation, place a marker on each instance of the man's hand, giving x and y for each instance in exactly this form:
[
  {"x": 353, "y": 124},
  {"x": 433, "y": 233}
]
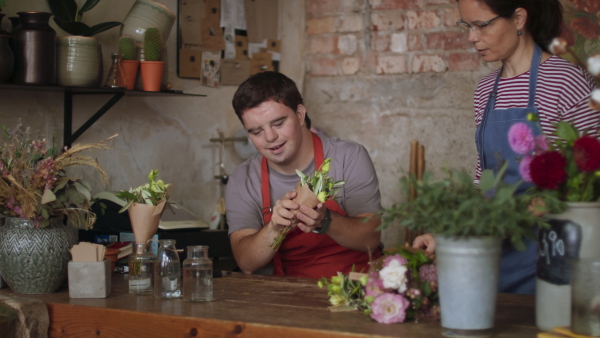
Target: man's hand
[
  {"x": 282, "y": 216},
  {"x": 311, "y": 219}
]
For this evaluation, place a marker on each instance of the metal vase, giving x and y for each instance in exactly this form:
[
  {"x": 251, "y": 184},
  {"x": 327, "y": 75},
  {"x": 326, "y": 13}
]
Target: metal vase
[
  {"x": 34, "y": 49},
  {"x": 34, "y": 260},
  {"x": 468, "y": 284}
]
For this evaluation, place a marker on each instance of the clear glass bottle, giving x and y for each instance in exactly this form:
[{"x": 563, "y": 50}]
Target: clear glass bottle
[
  {"x": 197, "y": 275},
  {"x": 167, "y": 271},
  {"x": 141, "y": 269},
  {"x": 115, "y": 78}
]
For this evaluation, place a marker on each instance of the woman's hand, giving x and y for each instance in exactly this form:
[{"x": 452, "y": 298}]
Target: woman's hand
[{"x": 425, "y": 242}]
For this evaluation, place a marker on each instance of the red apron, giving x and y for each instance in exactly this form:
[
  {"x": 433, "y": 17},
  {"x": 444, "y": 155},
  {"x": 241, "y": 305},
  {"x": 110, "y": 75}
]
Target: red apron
[{"x": 308, "y": 254}]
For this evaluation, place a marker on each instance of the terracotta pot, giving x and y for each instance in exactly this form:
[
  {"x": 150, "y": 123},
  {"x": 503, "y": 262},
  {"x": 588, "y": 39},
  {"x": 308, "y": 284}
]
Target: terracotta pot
[
  {"x": 130, "y": 71},
  {"x": 152, "y": 73}
]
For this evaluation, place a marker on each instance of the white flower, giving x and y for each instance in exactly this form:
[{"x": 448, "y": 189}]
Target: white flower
[
  {"x": 594, "y": 65},
  {"x": 394, "y": 275}
]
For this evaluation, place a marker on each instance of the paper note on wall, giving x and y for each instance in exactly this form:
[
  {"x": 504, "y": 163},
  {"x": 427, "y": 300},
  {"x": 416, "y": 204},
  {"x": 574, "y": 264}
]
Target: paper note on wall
[{"x": 262, "y": 20}]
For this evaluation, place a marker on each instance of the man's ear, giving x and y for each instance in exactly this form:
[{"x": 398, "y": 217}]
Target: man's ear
[{"x": 301, "y": 114}]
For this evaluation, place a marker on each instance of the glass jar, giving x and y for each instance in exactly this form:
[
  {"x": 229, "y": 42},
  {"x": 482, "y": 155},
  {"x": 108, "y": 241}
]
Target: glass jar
[
  {"x": 197, "y": 275},
  {"x": 115, "y": 78},
  {"x": 167, "y": 271},
  {"x": 141, "y": 269}
]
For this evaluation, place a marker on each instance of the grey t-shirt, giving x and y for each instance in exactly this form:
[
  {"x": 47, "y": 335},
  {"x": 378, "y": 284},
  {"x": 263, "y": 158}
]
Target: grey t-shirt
[{"x": 350, "y": 162}]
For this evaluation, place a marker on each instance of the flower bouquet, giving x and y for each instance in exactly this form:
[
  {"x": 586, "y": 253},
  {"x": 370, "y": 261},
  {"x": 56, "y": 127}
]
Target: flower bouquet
[
  {"x": 311, "y": 191},
  {"x": 401, "y": 285},
  {"x": 34, "y": 182},
  {"x": 568, "y": 168},
  {"x": 146, "y": 205}
]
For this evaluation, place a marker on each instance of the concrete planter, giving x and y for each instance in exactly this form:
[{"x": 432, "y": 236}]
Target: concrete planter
[
  {"x": 89, "y": 279},
  {"x": 468, "y": 282}
]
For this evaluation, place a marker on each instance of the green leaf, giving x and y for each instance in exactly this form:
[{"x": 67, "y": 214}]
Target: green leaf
[
  {"x": 101, "y": 27},
  {"x": 566, "y": 131},
  {"x": 73, "y": 28},
  {"x": 63, "y": 10},
  {"x": 486, "y": 181},
  {"x": 83, "y": 190},
  {"x": 89, "y": 4},
  {"x": 48, "y": 196}
]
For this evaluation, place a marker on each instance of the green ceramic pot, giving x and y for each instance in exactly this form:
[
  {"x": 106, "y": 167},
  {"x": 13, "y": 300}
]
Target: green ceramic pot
[{"x": 32, "y": 260}]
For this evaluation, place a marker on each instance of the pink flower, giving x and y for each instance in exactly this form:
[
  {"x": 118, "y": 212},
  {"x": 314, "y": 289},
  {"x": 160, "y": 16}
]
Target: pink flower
[
  {"x": 374, "y": 287},
  {"x": 428, "y": 273},
  {"x": 541, "y": 144},
  {"x": 521, "y": 138},
  {"x": 389, "y": 308},
  {"x": 525, "y": 168}
]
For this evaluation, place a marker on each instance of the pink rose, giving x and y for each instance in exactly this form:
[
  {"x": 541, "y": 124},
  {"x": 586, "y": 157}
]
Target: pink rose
[{"x": 389, "y": 308}]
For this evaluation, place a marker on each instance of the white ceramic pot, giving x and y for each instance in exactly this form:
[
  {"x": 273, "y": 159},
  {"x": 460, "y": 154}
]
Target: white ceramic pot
[
  {"x": 574, "y": 234},
  {"x": 78, "y": 61},
  {"x": 468, "y": 284},
  {"x": 145, "y": 14}
]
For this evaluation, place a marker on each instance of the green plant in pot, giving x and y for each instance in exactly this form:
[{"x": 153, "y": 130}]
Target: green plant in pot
[
  {"x": 468, "y": 223},
  {"x": 38, "y": 197},
  {"x": 79, "y": 55},
  {"x": 152, "y": 67},
  {"x": 129, "y": 64}
]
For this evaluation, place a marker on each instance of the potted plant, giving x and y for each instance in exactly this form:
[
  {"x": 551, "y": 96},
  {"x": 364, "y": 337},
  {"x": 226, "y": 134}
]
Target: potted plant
[
  {"x": 37, "y": 198},
  {"x": 79, "y": 55},
  {"x": 129, "y": 64},
  {"x": 152, "y": 67},
  {"x": 468, "y": 223}
]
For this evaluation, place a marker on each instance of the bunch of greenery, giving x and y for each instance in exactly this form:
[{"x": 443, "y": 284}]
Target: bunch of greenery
[
  {"x": 454, "y": 206},
  {"x": 152, "y": 193},
  {"x": 68, "y": 18},
  {"x": 127, "y": 48},
  {"x": 152, "y": 44}
]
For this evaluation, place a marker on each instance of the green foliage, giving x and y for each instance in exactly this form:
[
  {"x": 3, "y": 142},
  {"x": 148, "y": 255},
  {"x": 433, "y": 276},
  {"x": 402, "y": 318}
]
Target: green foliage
[
  {"x": 152, "y": 193},
  {"x": 454, "y": 206},
  {"x": 127, "y": 48},
  {"x": 152, "y": 44},
  {"x": 2, "y": 4},
  {"x": 68, "y": 18},
  {"x": 322, "y": 185}
]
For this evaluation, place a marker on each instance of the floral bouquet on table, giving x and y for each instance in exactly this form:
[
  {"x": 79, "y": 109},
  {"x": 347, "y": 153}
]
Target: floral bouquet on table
[
  {"x": 311, "y": 190},
  {"x": 401, "y": 285},
  {"x": 34, "y": 184},
  {"x": 146, "y": 205}
]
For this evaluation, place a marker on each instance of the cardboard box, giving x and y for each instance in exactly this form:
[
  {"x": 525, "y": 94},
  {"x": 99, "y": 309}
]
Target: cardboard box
[
  {"x": 89, "y": 279},
  {"x": 234, "y": 72}
]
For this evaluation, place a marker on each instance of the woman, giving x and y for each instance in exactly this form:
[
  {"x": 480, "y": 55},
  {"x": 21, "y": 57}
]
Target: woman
[{"x": 531, "y": 80}]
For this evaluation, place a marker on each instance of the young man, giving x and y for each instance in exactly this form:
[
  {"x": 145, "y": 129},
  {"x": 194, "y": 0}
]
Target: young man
[{"x": 332, "y": 237}]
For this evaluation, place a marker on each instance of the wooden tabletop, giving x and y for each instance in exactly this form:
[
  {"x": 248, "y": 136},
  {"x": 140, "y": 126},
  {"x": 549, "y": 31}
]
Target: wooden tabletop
[{"x": 248, "y": 305}]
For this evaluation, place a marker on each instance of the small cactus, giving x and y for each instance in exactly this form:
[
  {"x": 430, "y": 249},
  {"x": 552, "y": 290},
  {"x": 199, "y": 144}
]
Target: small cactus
[
  {"x": 152, "y": 44},
  {"x": 127, "y": 48}
]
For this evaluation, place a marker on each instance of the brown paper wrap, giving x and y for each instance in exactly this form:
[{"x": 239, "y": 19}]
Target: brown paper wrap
[
  {"x": 144, "y": 220},
  {"x": 305, "y": 196}
]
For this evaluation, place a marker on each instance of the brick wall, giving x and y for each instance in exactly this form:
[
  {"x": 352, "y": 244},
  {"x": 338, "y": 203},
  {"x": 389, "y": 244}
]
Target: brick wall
[{"x": 386, "y": 72}]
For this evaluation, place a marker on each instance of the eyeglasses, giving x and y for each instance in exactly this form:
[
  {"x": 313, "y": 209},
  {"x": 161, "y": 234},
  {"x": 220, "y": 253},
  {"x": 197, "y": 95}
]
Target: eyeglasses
[{"x": 475, "y": 27}]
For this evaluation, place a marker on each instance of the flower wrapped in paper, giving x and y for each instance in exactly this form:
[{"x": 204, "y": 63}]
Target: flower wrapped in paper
[{"x": 310, "y": 191}]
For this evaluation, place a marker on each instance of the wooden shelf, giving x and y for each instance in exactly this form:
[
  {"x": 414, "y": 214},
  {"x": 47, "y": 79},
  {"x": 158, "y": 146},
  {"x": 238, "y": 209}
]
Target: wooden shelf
[{"x": 115, "y": 95}]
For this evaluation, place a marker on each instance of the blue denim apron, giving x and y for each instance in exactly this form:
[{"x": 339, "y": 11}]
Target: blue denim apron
[{"x": 517, "y": 268}]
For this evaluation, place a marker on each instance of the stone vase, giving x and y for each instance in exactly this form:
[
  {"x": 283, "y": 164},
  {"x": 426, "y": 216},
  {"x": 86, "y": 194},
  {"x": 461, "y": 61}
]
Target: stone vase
[
  {"x": 34, "y": 260},
  {"x": 78, "y": 61},
  {"x": 468, "y": 283},
  {"x": 574, "y": 234}
]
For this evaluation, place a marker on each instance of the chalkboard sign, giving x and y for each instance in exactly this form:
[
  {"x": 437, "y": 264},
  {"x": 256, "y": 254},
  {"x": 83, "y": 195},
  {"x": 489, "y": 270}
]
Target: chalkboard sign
[{"x": 557, "y": 246}]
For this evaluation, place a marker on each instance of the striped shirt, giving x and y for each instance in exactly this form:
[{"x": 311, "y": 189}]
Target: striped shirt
[{"x": 562, "y": 93}]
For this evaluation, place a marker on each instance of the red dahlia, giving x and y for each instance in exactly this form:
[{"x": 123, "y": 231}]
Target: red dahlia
[
  {"x": 586, "y": 152},
  {"x": 548, "y": 170}
]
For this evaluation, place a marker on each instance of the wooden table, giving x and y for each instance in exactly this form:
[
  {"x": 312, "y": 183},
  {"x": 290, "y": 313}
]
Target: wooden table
[{"x": 248, "y": 306}]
